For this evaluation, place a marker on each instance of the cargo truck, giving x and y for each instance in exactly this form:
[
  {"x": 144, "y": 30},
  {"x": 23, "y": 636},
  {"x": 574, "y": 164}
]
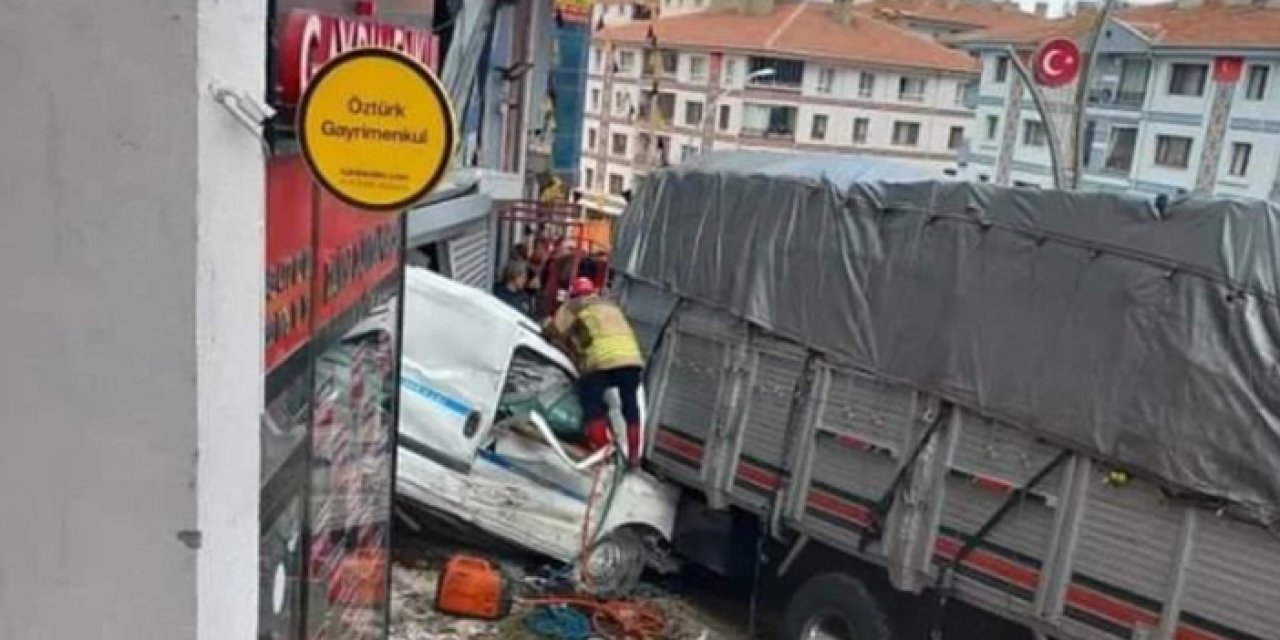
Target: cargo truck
[{"x": 1059, "y": 409}]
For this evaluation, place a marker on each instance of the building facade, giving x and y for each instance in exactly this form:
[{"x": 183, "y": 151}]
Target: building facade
[
  {"x": 788, "y": 77},
  {"x": 1183, "y": 99}
]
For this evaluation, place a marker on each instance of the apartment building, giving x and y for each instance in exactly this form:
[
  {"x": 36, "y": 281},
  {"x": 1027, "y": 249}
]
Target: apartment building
[
  {"x": 789, "y": 76},
  {"x": 1184, "y": 99}
]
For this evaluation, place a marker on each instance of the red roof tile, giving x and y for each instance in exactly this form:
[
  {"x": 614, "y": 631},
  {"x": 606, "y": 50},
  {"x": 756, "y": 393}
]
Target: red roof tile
[
  {"x": 985, "y": 15},
  {"x": 1212, "y": 25},
  {"x": 802, "y": 30}
]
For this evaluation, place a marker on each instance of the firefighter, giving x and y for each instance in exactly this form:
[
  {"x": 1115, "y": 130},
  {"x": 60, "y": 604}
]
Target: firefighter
[{"x": 602, "y": 344}]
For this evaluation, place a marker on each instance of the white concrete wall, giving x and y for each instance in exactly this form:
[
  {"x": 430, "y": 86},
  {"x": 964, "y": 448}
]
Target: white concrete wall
[{"x": 131, "y": 237}]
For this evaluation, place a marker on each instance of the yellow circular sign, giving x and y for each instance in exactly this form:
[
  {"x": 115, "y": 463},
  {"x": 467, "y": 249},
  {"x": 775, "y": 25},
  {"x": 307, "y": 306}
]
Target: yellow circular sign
[{"x": 376, "y": 128}]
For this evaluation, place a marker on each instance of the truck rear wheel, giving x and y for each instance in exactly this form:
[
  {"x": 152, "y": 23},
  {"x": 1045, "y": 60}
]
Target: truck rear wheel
[{"x": 834, "y": 606}]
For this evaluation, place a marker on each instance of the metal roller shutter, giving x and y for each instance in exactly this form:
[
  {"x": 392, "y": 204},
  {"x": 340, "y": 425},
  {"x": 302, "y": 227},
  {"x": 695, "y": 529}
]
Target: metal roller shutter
[{"x": 469, "y": 259}]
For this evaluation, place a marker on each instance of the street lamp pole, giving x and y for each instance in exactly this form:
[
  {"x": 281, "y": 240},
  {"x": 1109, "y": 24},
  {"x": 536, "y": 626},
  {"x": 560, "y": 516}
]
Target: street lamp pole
[{"x": 706, "y": 127}]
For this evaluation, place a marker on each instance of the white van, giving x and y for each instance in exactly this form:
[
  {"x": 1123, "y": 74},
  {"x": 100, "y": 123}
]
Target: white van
[{"x": 489, "y": 417}]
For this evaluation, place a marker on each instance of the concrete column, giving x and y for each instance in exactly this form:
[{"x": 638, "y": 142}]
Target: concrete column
[
  {"x": 130, "y": 375},
  {"x": 1011, "y": 127},
  {"x": 1215, "y": 134}
]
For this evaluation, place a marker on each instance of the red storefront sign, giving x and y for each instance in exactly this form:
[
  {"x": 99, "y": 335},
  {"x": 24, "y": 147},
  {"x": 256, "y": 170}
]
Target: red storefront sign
[
  {"x": 290, "y": 261},
  {"x": 309, "y": 39},
  {"x": 357, "y": 252},
  {"x": 1226, "y": 70}
]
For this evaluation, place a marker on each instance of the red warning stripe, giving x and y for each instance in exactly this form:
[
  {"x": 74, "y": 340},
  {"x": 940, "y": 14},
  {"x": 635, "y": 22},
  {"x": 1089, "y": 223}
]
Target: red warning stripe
[
  {"x": 839, "y": 507},
  {"x": 1109, "y": 607},
  {"x": 992, "y": 483},
  {"x": 854, "y": 442},
  {"x": 1188, "y": 632},
  {"x": 991, "y": 564},
  {"x": 761, "y": 478},
  {"x": 679, "y": 446}
]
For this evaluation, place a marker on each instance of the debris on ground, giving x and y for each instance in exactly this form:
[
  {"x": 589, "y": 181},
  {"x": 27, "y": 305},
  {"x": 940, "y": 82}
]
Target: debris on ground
[{"x": 415, "y": 577}]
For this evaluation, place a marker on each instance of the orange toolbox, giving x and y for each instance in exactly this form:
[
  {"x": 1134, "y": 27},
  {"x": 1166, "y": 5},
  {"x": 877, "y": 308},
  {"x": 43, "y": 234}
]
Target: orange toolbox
[{"x": 472, "y": 587}]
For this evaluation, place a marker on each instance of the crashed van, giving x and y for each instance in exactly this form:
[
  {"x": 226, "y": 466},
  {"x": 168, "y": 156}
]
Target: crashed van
[{"x": 489, "y": 425}]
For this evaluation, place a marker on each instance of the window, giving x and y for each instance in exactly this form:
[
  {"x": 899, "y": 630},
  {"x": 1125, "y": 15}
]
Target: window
[
  {"x": 595, "y": 60},
  {"x": 1034, "y": 134},
  {"x": 860, "y": 128},
  {"x": 687, "y": 151},
  {"x": 664, "y": 63},
  {"x": 826, "y": 81},
  {"x": 1240, "y": 152},
  {"x": 963, "y": 92},
  {"x": 1256, "y": 88},
  {"x": 1188, "y": 79},
  {"x": 1090, "y": 132},
  {"x": 724, "y": 117},
  {"x": 768, "y": 120},
  {"x": 697, "y": 69},
  {"x": 1133, "y": 81},
  {"x": 730, "y": 72},
  {"x": 866, "y": 84},
  {"x": 589, "y": 178},
  {"x": 955, "y": 138},
  {"x": 786, "y": 73},
  {"x": 1120, "y": 148},
  {"x": 993, "y": 127},
  {"x": 616, "y": 184},
  {"x": 621, "y": 102},
  {"x": 906, "y": 134},
  {"x": 591, "y": 139},
  {"x": 1002, "y": 69},
  {"x": 619, "y": 144},
  {"x": 643, "y": 144},
  {"x": 664, "y": 144},
  {"x": 911, "y": 89},
  {"x": 693, "y": 113},
  {"x": 818, "y": 128},
  {"x": 626, "y": 61},
  {"x": 665, "y": 104},
  {"x": 595, "y": 99},
  {"x": 670, "y": 60},
  {"x": 535, "y": 383},
  {"x": 1173, "y": 151}
]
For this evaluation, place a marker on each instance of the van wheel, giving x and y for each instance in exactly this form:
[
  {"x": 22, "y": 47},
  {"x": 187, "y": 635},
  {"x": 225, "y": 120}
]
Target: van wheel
[
  {"x": 615, "y": 565},
  {"x": 834, "y": 606}
]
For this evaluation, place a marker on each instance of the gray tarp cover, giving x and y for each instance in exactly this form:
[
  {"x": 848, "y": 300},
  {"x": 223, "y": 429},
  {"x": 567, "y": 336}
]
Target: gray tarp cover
[{"x": 1147, "y": 338}]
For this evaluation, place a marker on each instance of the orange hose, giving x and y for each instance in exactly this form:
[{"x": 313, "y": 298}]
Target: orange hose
[{"x": 584, "y": 544}]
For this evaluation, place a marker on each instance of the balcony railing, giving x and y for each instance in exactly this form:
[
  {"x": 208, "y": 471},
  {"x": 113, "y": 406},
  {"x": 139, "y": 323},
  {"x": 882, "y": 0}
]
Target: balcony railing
[
  {"x": 1111, "y": 97},
  {"x": 775, "y": 84},
  {"x": 771, "y": 133}
]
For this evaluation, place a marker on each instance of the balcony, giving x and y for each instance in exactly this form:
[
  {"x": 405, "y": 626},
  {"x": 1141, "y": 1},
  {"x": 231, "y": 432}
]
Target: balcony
[
  {"x": 1111, "y": 97},
  {"x": 783, "y": 75},
  {"x": 769, "y": 121}
]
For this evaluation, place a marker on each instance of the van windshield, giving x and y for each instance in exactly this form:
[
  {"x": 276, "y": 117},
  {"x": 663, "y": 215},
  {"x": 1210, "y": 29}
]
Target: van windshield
[{"x": 535, "y": 383}]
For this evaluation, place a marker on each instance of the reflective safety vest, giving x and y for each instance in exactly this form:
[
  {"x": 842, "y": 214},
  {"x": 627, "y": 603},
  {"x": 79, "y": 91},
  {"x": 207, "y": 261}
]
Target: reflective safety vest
[{"x": 599, "y": 336}]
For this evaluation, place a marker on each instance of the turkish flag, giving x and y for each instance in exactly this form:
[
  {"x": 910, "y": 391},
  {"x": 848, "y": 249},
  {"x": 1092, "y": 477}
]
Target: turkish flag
[{"x": 1226, "y": 70}]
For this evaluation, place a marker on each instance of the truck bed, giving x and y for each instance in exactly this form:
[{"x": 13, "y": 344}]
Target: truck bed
[{"x": 813, "y": 445}]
